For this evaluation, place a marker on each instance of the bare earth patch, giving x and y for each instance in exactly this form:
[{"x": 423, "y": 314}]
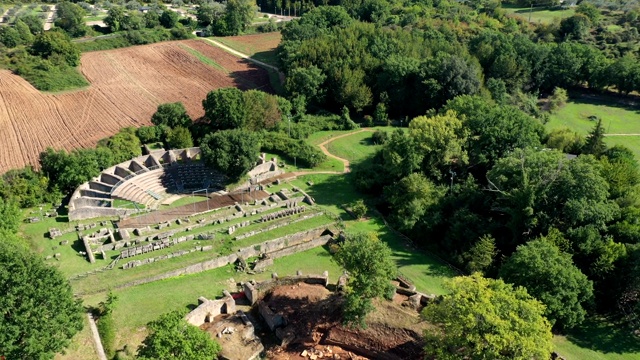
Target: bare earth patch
[
  {"x": 313, "y": 315},
  {"x": 126, "y": 87}
]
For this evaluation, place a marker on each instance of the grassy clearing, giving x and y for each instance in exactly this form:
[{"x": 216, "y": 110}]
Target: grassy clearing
[
  {"x": 82, "y": 346},
  {"x": 617, "y": 118},
  {"x": 139, "y": 305},
  {"x": 539, "y": 15},
  {"x": 354, "y": 148},
  {"x": 598, "y": 339}
]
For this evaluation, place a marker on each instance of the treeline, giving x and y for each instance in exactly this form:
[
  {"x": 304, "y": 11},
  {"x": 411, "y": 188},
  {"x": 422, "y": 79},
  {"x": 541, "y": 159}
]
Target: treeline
[
  {"x": 236, "y": 126},
  {"x": 333, "y": 60},
  {"x": 476, "y": 183},
  {"x": 48, "y": 60}
]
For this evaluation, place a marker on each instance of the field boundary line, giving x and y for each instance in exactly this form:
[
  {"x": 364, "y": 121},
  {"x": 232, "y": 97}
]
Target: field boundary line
[
  {"x": 96, "y": 337},
  {"x": 247, "y": 57}
]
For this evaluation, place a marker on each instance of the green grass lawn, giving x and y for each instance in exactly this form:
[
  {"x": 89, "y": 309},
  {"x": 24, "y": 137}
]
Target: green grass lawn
[
  {"x": 616, "y": 118},
  {"x": 82, "y": 346},
  {"x": 598, "y": 340},
  {"x": 354, "y": 148},
  {"x": 539, "y": 15},
  {"x": 138, "y": 305}
]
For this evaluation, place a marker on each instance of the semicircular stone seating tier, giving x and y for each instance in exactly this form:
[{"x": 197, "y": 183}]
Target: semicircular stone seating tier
[{"x": 146, "y": 180}]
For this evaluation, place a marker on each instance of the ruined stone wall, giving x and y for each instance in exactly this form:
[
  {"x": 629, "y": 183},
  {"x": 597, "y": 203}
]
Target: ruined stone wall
[
  {"x": 255, "y": 292},
  {"x": 268, "y": 247},
  {"x": 209, "y": 309}
]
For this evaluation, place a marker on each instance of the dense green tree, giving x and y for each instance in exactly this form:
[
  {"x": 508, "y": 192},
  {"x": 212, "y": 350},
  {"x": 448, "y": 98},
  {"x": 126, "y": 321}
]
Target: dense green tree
[
  {"x": 225, "y": 108},
  {"x": 575, "y": 27},
  {"x": 411, "y": 198},
  {"x": 209, "y": 13},
  {"x": 172, "y": 338},
  {"x": 589, "y": 10},
  {"x": 151, "y": 19},
  {"x": 10, "y": 37},
  {"x": 486, "y": 319},
  {"x": 238, "y": 15},
  {"x": 171, "y": 115},
  {"x": 34, "y": 23},
  {"x": 152, "y": 134},
  {"x": 441, "y": 139},
  {"x": 565, "y": 140},
  {"x": 370, "y": 269},
  {"x": 9, "y": 215},
  {"x": 448, "y": 76},
  {"x": 494, "y": 131},
  {"x": 124, "y": 145},
  {"x": 57, "y": 43},
  {"x": 306, "y": 82},
  {"x": 359, "y": 209},
  {"x": 70, "y": 18},
  {"x": 262, "y": 110},
  {"x": 400, "y": 154},
  {"x": 116, "y": 17},
  {"x": 26, "y": 187},
  {"x": 624, "y": 73},
  {"x": 550, "y": 276},
  {"x": 39, "y": 313},
  {"x": 536, "y": 190},
  {"x": 169, "y": 19},
  {"x": 26, "y": 37},
  {"x": 179, "y": 138},
  {"x": 481, "y": 255},
  {"x": 594, "y": 143},
  {"x": 231, "y": 151}
]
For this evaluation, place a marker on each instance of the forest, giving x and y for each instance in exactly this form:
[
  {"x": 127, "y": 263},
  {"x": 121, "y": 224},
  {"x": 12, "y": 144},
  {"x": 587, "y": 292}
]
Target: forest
[{"x": 470, "y": 173}]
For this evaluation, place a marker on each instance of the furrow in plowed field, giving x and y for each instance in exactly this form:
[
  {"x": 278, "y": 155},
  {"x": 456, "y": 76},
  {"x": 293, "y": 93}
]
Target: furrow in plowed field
[{"x": 126, "y": 87}]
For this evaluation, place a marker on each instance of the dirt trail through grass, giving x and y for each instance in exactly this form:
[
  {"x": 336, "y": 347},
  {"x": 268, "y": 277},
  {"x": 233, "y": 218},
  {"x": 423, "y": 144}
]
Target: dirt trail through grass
[{"x": 344, "y": 161}]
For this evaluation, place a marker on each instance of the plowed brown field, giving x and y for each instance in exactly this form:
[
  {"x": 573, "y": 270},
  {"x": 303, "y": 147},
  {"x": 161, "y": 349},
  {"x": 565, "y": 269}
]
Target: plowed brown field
[{"x": 126, "y": 87}]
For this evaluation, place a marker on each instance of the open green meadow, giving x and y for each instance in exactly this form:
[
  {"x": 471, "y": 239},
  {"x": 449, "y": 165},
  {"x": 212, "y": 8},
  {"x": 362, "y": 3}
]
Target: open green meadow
[
  {"x": 137, "y": 305},
  {"x": 620, "y": 120},
  {"x": 542, "y": 15}
]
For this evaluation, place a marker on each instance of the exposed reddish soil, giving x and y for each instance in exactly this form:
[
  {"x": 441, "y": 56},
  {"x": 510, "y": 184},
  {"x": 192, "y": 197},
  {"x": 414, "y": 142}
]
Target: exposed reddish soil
[
  {"x": 126, "y": 87},
  {"x": 313, "y": 315},
  {"x": 257, "y": 42}
]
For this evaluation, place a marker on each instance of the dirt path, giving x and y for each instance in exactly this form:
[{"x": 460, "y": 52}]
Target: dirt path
[
  {"x": 245, "y": 56},
  {"x": 48, "y": 23},
  {"x": 347, "y": 167},
  {"x": 96, "y": 338}
]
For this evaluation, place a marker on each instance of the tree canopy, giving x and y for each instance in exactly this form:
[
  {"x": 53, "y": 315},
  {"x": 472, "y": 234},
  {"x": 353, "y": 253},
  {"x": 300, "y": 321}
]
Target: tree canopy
[
  {"x": 39, "y": 313},
  {"x": 370, "y": 268},
  {"x": 171, "y": 115},
  {"x": 171, "y": 337},
  {"x": 484, "y": 318},
  {"x": 550, "y": 276},
  {"x": 233, "y": 152}
]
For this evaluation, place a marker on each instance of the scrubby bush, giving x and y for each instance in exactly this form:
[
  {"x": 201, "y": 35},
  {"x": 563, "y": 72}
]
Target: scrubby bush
[{"x": 303, "y": 153}]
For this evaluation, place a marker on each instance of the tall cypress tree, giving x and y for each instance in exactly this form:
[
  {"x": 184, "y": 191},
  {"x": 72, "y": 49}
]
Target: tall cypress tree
[{"x": 595, "y": 141}]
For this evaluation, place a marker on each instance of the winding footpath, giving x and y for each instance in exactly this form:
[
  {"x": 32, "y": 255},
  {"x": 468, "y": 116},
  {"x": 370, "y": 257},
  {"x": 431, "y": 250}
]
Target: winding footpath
[{"x": 323, "y": 148}]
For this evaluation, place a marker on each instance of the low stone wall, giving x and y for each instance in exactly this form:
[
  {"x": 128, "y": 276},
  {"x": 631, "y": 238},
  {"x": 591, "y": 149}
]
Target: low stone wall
[
  {"x": 267, "y": 247},
  {"x": 82, "y": 213},
  {"x": 256, "y": 291},
  {"x": 276, "y": 226},
  {"x": 209, "y": 309}
]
